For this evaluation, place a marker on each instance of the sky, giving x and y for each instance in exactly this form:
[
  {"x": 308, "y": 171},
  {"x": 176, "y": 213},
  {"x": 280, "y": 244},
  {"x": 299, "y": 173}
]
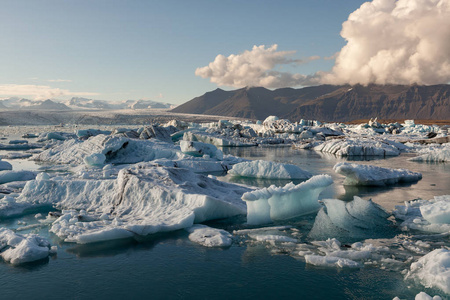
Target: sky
[{"x": 173, "y": 51}]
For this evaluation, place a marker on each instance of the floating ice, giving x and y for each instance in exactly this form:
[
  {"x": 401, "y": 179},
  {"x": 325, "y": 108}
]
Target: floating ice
[
  {"x": 425, "y": 215},
  {"x": 358, "y": 147},
  {"x": 18, "y": 249},
  {"x": 278, "y": 203},
  {"x": 432, "y": 270},
  {"x": 357, "y": 174},
  {"x": 350, "y": 219},
  {"x": 116, "y": 150},
  {"x": 268, "y": 169},
  {"x": 10, "y": 176},
  {"x": 424, "y": 296},
  {"x": 438, "y": 155},
  {"x": 96, "y": 159},
  {"x": 209, "y": 237},
  {"x": 200, "y": 149},
  {"x": 330, "y": 261},
  {"x": 4, "y": 165},
  {"x": 142, "y": 200},
  {"x": 216, "y": 139}
]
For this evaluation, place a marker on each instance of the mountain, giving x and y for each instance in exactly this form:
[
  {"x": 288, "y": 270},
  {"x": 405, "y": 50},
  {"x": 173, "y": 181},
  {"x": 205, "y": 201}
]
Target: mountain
[
  {"x": 84, "y": 103},
  {"x": 327, "y": 102},
  {"x": 15, "y": 103}
]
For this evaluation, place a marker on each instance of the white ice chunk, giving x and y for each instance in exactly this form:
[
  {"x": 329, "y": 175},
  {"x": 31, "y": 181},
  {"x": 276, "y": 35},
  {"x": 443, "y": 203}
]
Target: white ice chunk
[
  {"x": 17, "y": 249},
  {"x": 209, "y": 237},
  {"x": 278, "y": 203},
  {"x": 10, "y": 176},
  {"x": 369, "y": 175},
  {"x": 142, "y": 200},
  {"x": 426, "y": 215},
  {"x": 432, "y": 270},
  {"x": 116, "y": 150},
  {"x": 425, "y": 296},
  {"x": 438, "y": 155},
  {"x": 96, "y": 159},
  {"x": 330, "y": 261},
  {"x": 358, "y": 147},
  {"x": 356, "y": 218},
  {"x": 199, "y": 149},
  {"x": 268, "y": 169}
]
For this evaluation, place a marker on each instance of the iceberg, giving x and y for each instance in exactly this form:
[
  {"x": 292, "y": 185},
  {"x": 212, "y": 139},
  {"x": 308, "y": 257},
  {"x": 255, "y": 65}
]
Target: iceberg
[
  {"x": 369, "y": 175},
  {"x": 269, "y": 170},
  {"x": 115, "y": 149},
  {"x": 10, "y": 176},
  {"x": 358, "y": 218},
  {"x": 330, "y": 261},
  {"x": 278, "y": 203},
  {"x": 209, "y": 237},
  {"x": 200, "y": 149},
  {"x": 142, "y": 200},
  {"x": 425, "y": 215},
  {"x": 4, "y": 165},
  {"x": 358, "y": 147},
  {"x": 438, "y": 155},
  {"x": 18, "y": 249},
  {"x": 432, "y": 270}
]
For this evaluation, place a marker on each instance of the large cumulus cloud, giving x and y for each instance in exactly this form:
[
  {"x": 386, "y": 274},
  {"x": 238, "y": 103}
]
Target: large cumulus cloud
[
  {"x": 388, "y": 42},
  {"x": 395, "y": 42},
  {"x": 254, "y": 68}
]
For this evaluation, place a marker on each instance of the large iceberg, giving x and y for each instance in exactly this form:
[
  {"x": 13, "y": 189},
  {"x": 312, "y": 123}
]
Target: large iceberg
[
  {"x": 359, "y": 147},
  {"x": 278, "y": 203},
  {"x": 269, "y": 170},
  {"x": 142, "y": 200},
  {"x": 349, "y": 219},
  {"x": 357, "y": 174},
  {"x": 115, "y": 149}
]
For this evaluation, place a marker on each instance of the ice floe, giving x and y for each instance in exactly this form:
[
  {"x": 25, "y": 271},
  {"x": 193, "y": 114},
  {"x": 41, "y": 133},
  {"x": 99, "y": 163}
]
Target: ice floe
[
  {"x": 10, "y": 176},
  {"x": 18, "y": 249},
  {"x": 142, "y": 200},
  {"x": 209, "y": 237},
  {"x": 426, "y": 215},
  {"x": 278, "y": 203},
  {"x": 432, "y": 270},
  {"x": 356, "y": 174},
  {"x": 359, "y": 147},
  {"x": 268, "y": 170},
  {"x": 355, "y": 219}
]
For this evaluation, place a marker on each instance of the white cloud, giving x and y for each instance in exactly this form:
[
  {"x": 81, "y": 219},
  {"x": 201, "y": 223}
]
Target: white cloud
[
  {"x": 388, "y": 42},
  {"x": 38, "y": 92},
  {"x": 59, "y": 80},
  {"x": 397, "y": 42},
  {"x": 255, "y": 68}
]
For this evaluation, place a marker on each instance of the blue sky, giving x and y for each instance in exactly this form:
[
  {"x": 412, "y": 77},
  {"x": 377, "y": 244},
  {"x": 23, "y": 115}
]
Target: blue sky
[{"x": 117, "y": 50}]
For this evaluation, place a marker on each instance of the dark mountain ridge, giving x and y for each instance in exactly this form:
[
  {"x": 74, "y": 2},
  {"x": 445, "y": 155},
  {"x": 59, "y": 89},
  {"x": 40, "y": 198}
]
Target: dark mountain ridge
[{"x": 327, "y": 102}]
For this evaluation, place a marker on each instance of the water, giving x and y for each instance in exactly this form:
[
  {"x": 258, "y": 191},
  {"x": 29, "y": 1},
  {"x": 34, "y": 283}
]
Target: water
[{"x": 170, "y": 266}]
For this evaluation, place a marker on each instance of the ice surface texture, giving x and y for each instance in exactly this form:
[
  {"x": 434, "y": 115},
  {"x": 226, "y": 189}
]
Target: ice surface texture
[
  {"x": 115, "y": 149},
  {"x": 439, "y": 155},
  {"x": 10, "y": 176},
  {"x": 269, "y": 170},
  {"x": 209, "y": 237},
  {"x": 18, "y": 249},
  {"x": 278, "y": 203},
  {"x": 357, "y": 174},
  {"x": 358, "y": 218},
  {"x": 432, "y": 270},
  {"x": 358, "y": 147},
  {"x": 142, "y": 200}
]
